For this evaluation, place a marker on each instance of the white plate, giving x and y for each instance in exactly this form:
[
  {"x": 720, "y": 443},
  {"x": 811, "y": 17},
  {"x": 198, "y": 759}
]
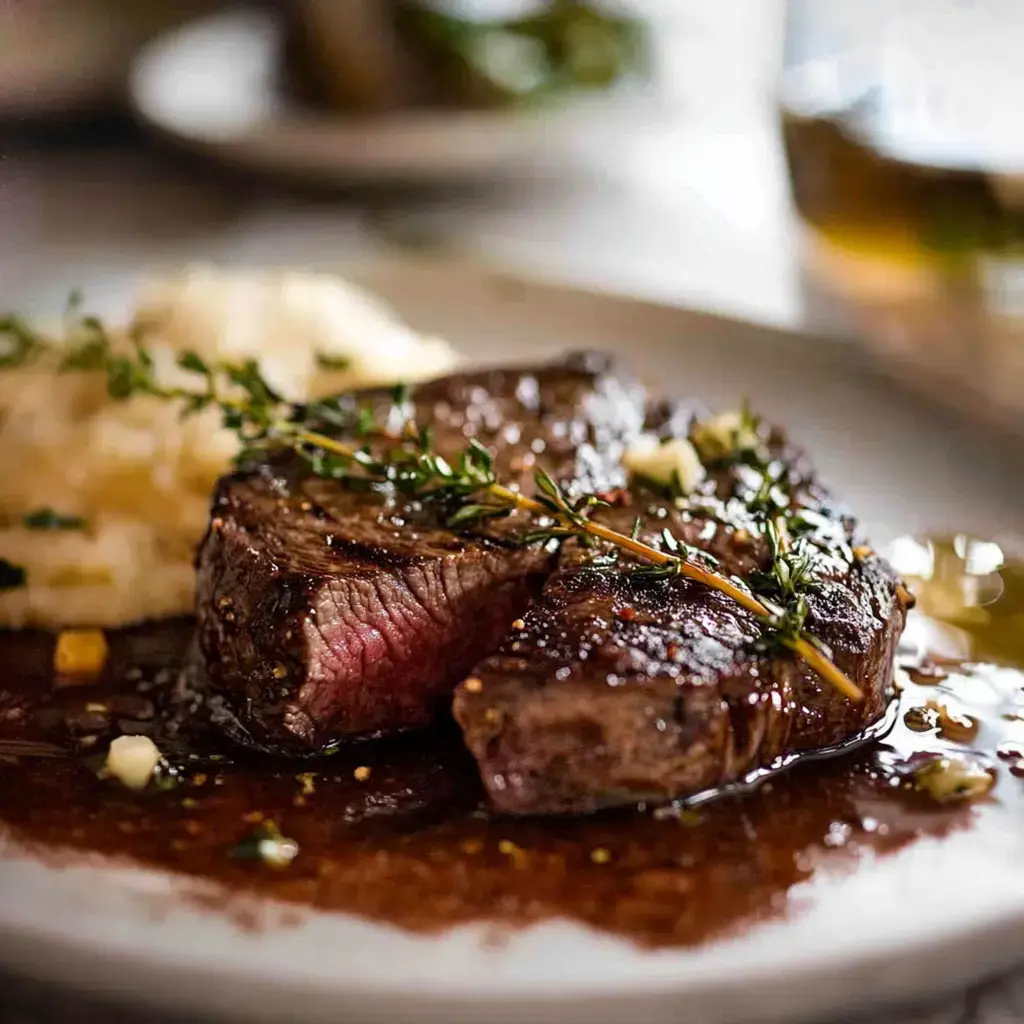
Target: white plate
[
  {"x": 939, "y": 914},
  {"x": 213, "y": 86}
]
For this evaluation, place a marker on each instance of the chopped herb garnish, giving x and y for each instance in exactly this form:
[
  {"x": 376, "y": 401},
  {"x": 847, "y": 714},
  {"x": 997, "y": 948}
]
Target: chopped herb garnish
[
  {"x": 19, "y": 343},
  {"x": 49, "y": 519},
  {"x": 265, "y": 843},
  {"x": 329, "y": 362},
  {"x": 11, "y": 576}
]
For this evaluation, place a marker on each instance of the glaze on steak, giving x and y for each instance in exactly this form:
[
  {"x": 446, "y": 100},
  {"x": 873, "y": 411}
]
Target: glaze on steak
[{"x": 327, "y": 613}]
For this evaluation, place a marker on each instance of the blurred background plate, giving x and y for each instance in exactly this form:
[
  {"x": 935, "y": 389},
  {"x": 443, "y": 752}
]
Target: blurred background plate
[
  {"x": 215, "y": 85},
  {"x": 62, "y": 58}
]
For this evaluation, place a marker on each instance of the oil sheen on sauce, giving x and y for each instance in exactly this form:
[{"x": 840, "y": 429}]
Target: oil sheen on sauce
[{"x": 398, "y": 831}]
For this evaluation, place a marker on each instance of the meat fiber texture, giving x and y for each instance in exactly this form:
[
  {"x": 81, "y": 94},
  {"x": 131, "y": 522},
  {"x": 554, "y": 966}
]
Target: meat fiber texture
[{"x": 328, "y": 613}]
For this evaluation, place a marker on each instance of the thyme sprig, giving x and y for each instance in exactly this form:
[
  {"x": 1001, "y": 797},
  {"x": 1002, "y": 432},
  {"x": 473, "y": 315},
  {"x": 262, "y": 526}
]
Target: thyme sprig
[
  {"x": 793, "y": 571},
  {"x": 406, "y": 463}
]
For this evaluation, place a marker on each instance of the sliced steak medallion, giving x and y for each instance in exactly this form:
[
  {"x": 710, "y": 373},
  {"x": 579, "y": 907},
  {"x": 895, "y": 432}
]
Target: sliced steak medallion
[
  {"x": 328, "y": 612},
  {"x": 619, "y": 688}
]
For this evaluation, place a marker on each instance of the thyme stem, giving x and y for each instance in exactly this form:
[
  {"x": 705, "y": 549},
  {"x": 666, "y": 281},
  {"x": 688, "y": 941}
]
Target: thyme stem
[{"x": 804, "y": 648}]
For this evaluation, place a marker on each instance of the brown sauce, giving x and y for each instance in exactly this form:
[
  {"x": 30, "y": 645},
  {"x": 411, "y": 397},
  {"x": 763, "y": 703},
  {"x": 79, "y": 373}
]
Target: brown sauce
[{"x": 409, "y": 841}]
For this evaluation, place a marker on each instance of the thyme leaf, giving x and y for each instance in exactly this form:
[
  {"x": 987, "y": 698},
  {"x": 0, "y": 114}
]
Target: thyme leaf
[
  {"x": 19, "y": 343},
  {"x": 329, "y": 362},
  {"x": 49, "y": 519},
  {"x": 473, "y": 514}
]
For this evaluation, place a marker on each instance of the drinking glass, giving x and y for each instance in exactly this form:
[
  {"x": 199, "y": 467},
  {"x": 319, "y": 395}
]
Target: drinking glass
[{"x": 903, "y": 123}]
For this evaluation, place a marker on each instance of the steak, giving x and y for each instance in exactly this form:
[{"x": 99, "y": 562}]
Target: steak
[
  {"x": 616, "y": 690},
  {"x": 327, "y": 612}
]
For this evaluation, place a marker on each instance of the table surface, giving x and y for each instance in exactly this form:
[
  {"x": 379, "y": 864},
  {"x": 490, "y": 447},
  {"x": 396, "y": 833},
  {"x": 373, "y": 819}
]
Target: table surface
[{"x": 698, "y": 215}]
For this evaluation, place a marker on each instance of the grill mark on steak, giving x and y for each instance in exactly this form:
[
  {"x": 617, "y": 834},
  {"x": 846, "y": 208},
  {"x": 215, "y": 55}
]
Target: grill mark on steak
[{"x": 327, "y": 613}]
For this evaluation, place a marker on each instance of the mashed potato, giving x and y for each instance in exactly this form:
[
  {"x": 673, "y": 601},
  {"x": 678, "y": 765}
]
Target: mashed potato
[{"x": 138, "y": 474}]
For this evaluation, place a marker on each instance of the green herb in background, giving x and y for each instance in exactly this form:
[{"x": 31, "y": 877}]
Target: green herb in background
[
  {"x": 570, "y": 45},
  {"x": 49, "y": 519}
]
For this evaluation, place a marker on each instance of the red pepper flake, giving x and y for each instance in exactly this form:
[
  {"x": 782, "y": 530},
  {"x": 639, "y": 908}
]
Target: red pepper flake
[
  {"x": 618, "y": 497},
  {"x": 626, "y": 614}
]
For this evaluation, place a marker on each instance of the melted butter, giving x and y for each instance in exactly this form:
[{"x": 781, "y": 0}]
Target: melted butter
[
  {"x": 970, "y": 595},
  {"x": 398, "y": 832}
]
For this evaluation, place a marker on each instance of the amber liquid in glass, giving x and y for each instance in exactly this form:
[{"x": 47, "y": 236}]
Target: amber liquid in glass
[{"x": 911, "y": 190}]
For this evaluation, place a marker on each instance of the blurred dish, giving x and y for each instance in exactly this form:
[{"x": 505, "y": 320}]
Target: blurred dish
[
  {"x": 367, "y": 56},
  {"x": 215, "y": 86}
]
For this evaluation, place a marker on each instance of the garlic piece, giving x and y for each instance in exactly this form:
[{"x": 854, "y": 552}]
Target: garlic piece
[
  {"x": 666, "y": 462},
  {"x": 725, "y": 434},
  {"x": 132, "y": 760},
  {"x": 953, "y": 778}
]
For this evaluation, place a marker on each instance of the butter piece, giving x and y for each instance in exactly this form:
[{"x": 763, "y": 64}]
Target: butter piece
[
  {"x": 132, "y": 760},
  {"x": 666, "y": 462}
]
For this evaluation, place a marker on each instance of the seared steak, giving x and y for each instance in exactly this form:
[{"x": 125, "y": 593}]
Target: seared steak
[
  {"x": 328, "y": 612},
  {"x": 618, "y": 688}
]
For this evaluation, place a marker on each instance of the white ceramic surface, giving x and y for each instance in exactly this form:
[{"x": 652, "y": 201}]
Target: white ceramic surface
[
  {"x": 934, "y": 916},
  {"x": 213, "y": 86}
]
